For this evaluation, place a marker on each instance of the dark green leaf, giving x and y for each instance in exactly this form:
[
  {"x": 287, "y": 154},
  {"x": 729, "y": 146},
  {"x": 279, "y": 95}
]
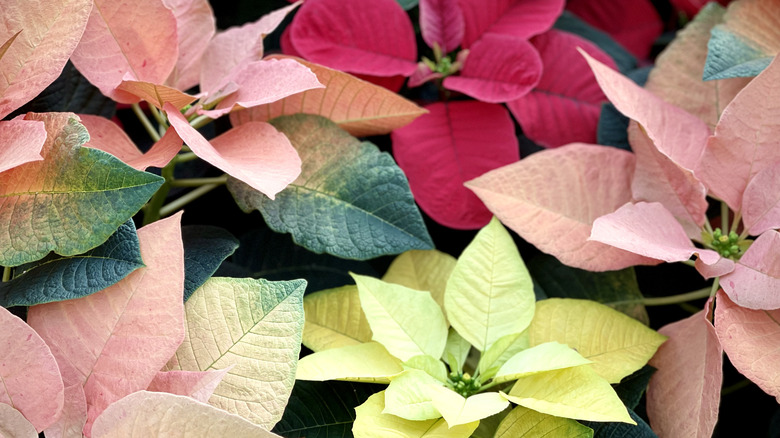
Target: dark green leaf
[
  {"x": 323, "y": 409},
  {"x": 205, "y": 248},
  {"x": 62, "y": 278},
  {"x": 274, "y": 256},
  {"x": 351, "y": 200},
  {"x": 408, "y": 4},
  {"x": 631, "y": 388},
  {"x": 730, "y": 56},
  {"x": 621, "y": 430},
  {"x": 616, "y": 289},
  {"x": 622, "y": 57}
]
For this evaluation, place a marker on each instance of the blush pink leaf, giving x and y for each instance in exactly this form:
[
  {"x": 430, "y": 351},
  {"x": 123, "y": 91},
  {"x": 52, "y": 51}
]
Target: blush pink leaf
[
  {"x": 635, "y": 25},
  {"x": 156, "y": 95},
  {"x": 31, "y": 380},
  {"x": 74, "y": 414},
  {"x": 498, "y": 69},
  {"x": 677, "y": 134},
  {"x": 199, "y": 385},
  {"x": 745, "y": 140},
  {"x": 43, "y": 35},
  {"x": 195, "y": 27},
  {"x": 115, "y": 341},
  {"x": 521, "y": 19},
  {"x": 265, "y": 81},
  {"x": 255, "y": 153},
  {"x": 648, "y": 229},
  {"x": 684, "y": 393},
  {"x": 755, "y": 281},
  {"x": 357, "y": 106},
  {"x": 374, "y": 38},
  {"x": 750, "y": 339},
  {"x": 552, "y": 197},
  {"x": 106, "y": 136},
  {"x": 761, "y": 201},
  {"x": 441, "y": 22},
  {"x": 565, "y": 106},
  {"x": 135, "y": 37},
  {"x": 453, "y": 143},
  {"x": 235, "y": 47},
  {"x": 22, "y": 142},
  {"x": 659, "y": 179}
]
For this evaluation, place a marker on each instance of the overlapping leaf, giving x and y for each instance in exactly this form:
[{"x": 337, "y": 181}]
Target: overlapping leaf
[
  {"x": 205, "y": 248},
  {"x": 22, "y": 142},
  {"x": 684, "y": 394},
  {"x": 255, "y": 325},
  {"x": 617, "y": 344},
  {"x": 367, "y": 362},
  {"x": 359, "y": 107},
  {"x": 755, "y": 280},
  {"x": 551, "y": 199},
  {"x": 13, "y": 424},
  {"x": 195, "y": 27},
  {"x": 453, "y": 143},
  {"x": 517, "y": 18},
  {"x": 458, "y": 410},
  {"x": 761, "y": 201},
  {"x": 334, "y": 319},
  {"x": 567, "y": 95},
  {"x": 199, "y": 385},
  {"x": 359, "y": 208},
  {"x": 408, "y": 396},
  {"x": 65, "y": 278},
  {"x": 46, "y": 35},
  {"x": 136, "y": 322},
  {"x": 441, "y": 23},
  {"x": 422, "y": 270},
  {"x": 50, "y": 205},
  {"x": 527, "y": 423}
]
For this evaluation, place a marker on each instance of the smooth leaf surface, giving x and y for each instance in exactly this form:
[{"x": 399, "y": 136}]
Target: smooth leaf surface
[
  {"x": 499, "y": 68},
  {"x": 505, "y": 348},
  {"x": 65, "y": 278},
  {"x": 334, "y": 319},
  {"x": 453, "y": 143},
  {"x": 756, "y": 277},
  {"x": 157, "y": 95},
  {"x": 136, "y": 322},
  {"x": 576, "y": 392},
  {"x": 441, "y": 23},
  {"x": 375, "y": 39},
  {"x": 746, "y": 43},
  {"x": 551, "y": 199},
  {"x": 196, "y": 384},
  {"x": 372, "y": 423},
  {"x": 569, "y": 22},
  {"x": 684, "y": 394},
  {"x": 616, "y": 289},
  {"x": 363, "y": 204},
  {"x": 677, "y": 134},
  {"x": 157, "y": 415},
  {"x": 749, "y": 337},
  {"x": 635, "y": 26},
  {"x": 406, "y": 321},
  {"x": 358, "y": 107},
  {"x": 408, "y": 396},
  {"x": 677, "y": 76},
  {"x": 195, "y": 27},
  {"x": 526, "y": 423},
  {"x": 107, "y": 136},
  {"x": 367, "y": 362},
  {"x": 13, "y": 424},
  {"x": 422, "y": 270},
  {"x": 134, "y": 40},
  {"x": 322, "y": 409},
  {"x": 456, "y": 350},
  {"x": 489, "y": 294},
  {"x": 742, "y": 144},
  {"x": 83, "y": 182},
  {"x": 205, "y": 248},
  {"x": 45, "y": 36},
  {"x": 254, "y": 326},
  {"x": 458, "y": 410},
  {"x": 761, "y": 201},
  {"x": 31, "y": 379},
  {"x": 74, "y": 414},
  {"x": 548, "y": 356},
  {"x": 617, "y": 344},
  {"x": 255, "y": 153},
  {"x": 22, "y": 142},
  {"x": 567, "y": 95},
  {"x": 521, "y": 19},
  {"x": 429, "y": 364}
]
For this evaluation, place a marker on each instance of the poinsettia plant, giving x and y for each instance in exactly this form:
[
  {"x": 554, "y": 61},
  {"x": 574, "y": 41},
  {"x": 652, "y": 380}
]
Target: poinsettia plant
[{"x": 547, "y": 357}]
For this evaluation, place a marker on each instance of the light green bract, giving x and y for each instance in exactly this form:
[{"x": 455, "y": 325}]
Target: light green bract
[{"x": 434, "y": 388}]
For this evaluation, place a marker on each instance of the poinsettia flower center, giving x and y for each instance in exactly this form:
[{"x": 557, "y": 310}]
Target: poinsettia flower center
[
  {"x": 463, "y": 383},
  {"x": 728, "y": 246}
]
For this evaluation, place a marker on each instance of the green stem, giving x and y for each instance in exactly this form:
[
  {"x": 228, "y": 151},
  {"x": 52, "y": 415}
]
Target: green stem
[
  {"x": 160, "y": 119},
  {"x": 707, "y": 225},
  {"x": 177, "y": 204},
  {"x": 146, "y": 122},
  {"x": 200, "y": 121},
  {"x": 735, "y": 387},
  {"x": 152, "y": 210},
  {"x": 689, "y": 263},
  {"x": 724, "y": 218},
  {"x": 744, "y": 234},
  {"x": 675, "y": 299},
  {"x": 6, "y": 273},
  {"x": 197, "y": 182},
  {"x": 186, "y": 156},
  {"x": 735, "y": 223},
  {"x": 715, "y": 286}
]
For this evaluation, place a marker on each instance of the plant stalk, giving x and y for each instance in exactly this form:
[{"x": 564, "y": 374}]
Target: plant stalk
[
  {"x": 676, "y": 299},
  {"x": 177, "y": 204},
  {"x": 152, "y": 210},
  {"x": 6, "y": 273},
  {"x": 197, "y": 182},
  {"x": 200, "y": 121},
  {"x": 724, "y": 218},
  {"x": 145, "y": 122}
]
